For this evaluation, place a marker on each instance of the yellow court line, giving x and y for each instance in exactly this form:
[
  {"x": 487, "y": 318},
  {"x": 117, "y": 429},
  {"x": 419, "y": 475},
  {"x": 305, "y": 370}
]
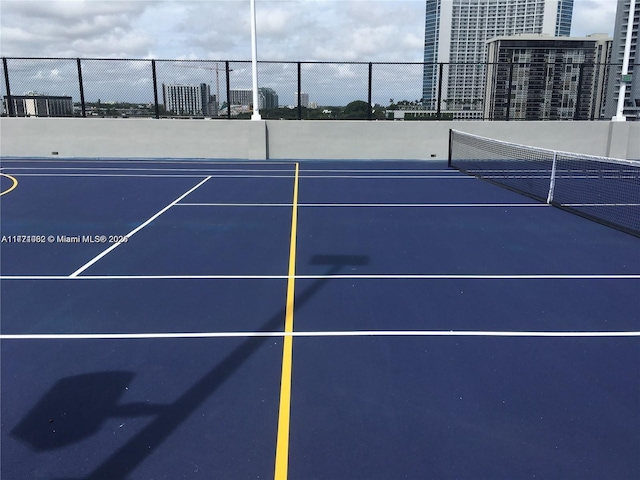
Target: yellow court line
[
  {"x": 13, "y": 179},
  {"x": 282, "y": 442}
]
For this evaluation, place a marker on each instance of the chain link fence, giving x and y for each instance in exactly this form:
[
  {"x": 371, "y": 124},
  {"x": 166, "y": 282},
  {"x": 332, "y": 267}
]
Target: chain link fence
[{"x": 308, "y": 90}]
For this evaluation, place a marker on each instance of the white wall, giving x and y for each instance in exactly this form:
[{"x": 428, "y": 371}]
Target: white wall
[
  {"x": 279, "y": 139},
  {"x": 147, "y": 138}
]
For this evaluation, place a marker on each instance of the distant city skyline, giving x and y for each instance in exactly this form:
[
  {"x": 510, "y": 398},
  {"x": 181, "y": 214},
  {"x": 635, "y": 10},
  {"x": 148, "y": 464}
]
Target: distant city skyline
[
  {"x": 457, "y": 32},
  {"x": 546, "y": 85},
  {"x": 345, "y": 30}
]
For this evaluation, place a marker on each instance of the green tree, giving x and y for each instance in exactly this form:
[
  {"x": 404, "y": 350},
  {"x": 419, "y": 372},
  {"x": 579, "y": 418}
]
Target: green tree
[{"x": 356, "y": 110}]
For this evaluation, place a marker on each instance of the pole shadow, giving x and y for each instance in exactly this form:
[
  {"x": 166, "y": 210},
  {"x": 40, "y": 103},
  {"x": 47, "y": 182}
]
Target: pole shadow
[
  {"x": 76, "y": 407},
  {"x": 109, "y": 385}
]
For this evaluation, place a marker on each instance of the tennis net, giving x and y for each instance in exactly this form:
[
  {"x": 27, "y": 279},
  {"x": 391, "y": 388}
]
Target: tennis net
[{"x": 603, "y": 189}]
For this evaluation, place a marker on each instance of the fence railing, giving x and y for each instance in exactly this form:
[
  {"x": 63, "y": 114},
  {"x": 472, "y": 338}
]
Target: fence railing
[{"x": 96, "y": 87}]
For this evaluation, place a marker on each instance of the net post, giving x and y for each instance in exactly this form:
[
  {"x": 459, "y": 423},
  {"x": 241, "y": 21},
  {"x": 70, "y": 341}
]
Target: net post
[
  {"x": 449, "y": 156},
  {"x": 552, "y": 182}
]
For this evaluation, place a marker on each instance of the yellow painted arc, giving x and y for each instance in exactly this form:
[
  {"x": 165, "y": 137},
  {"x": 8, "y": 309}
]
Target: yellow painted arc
[{"x": 12, "y": 187}]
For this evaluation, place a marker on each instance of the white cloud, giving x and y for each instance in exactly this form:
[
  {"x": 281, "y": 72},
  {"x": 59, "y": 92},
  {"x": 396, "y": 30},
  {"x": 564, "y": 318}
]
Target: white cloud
[
  {"x": 74, "y": 28},
  {"x": 338, "y": 30},
  {"x": 288, "y": 30},
  {"x": 593, "y": 16},
  {"x": 277, "y": 22},
  {"x": 121, "y": 44},
  {"x": 412, "y": 41}
]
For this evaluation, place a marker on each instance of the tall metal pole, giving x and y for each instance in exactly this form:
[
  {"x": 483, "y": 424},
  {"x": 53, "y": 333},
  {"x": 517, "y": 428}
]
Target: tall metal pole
[
  {"x": 81, "y": 85},
  {"x": 11, "y": 111},
  {"x": 155, "y": 88},
  {"x": 509, "y": 89},
  {"x": 438, "y": 107},
  {"x": 578, "y": 104},
  {"x": 625, "y": 63},
  {"x": 217, "y": 102},
  {"x": 254, "y": 62},
  {"x": 370, "y": 107},
  {"x": 227, "y": 70},
  {"x": 299, "y": 92}
]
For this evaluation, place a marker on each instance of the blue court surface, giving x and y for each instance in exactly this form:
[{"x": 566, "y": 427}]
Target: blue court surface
[{"x": 316, "y": 320}]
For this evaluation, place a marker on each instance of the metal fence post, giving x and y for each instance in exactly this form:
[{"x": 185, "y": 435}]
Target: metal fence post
[
  {"x": 299, "y": 92},
  {"x": 603, "y": 68},
  {"x": 576, "y": 112},
  {"x": 484, "y": 98},
  {"x": 155, "y": 88},
  {"x": 10, "y": 110},
  {"x": 450, "y": 154},
  {"x": 369, "y": 108},
  {"x": 438, "y": 109},
  {"x": 84, "y": 110},
  {"x": 226, "y": 68},
  {"x": 509, "y": 89}
]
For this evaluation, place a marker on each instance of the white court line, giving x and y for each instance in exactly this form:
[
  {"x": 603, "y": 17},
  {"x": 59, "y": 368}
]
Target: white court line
[
  {"x": 356, "y": 333},
  {"x": 106, "y": 175},
  {"x": 235, "y": 163},
  {"x": 147, "y": 160},
  {"x": 332, "y": 277},
  {"x": 560, "y": 170},
  {"x": 600, "y": 204},
  {"x": 417, "y": 205},
  {"x": 385, "y": 170},
  {"x": 147, "y": 169},
  {"x": 135, "y": 230},
  {"x": 450, "y": 177},
  {"x": 109, "y": 175},
  {"x": 562, "y": 177},
  {"x": 455, "y": 176},
  {"x": 205, "y": 170}
]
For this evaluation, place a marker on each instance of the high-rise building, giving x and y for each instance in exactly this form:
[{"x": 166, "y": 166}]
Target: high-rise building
[
  {"x": 267, "y": 98},
  {"x": 631, "y": 106},
  {"x": 37, "y": 105},
  {"x": 539, "y": 77},
  {"x": 456, "y": 32},
  {"x": 189, "y": 99},
  {"x": 303, "y": 99},
  {"x": 241, "y": 96}
]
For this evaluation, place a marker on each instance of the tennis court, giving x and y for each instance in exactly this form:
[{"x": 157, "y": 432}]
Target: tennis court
[{"x": 309, "y": 320}]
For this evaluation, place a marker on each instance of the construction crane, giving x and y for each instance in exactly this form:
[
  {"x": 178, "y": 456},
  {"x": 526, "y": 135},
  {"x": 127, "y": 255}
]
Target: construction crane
[{"x": 212, "y": 69}]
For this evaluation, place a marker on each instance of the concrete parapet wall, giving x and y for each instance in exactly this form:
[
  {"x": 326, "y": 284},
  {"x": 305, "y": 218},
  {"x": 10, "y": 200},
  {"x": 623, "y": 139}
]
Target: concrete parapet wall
[
  {"x": 129, "y": 138},
  {"x": 296, "y": 140}
]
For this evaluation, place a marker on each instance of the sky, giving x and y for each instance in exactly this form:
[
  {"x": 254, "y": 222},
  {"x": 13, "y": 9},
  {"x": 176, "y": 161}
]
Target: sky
[
  {"x": 288, "y": 30},
  {"x": 291, "y": 30}
]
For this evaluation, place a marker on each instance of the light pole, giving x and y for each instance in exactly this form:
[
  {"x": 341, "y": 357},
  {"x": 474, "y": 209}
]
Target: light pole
[
  {"x": 254, "y": 62},
  {"x": 625, "y": 64}
]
